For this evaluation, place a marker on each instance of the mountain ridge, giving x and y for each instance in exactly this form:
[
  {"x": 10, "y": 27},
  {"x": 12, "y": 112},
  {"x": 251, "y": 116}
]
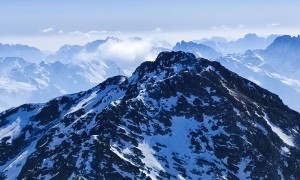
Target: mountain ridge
[
  {"x": 176, "y": 117},
  {"x": 22, "y": 51},
  {"x": 249, "y": 41}
]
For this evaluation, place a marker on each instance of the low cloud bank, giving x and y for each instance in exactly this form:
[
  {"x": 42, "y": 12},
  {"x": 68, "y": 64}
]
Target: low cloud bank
[{"x": 127, "y": 54}]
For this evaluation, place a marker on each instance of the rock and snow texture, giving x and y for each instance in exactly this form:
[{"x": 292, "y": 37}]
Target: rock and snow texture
[
  {"x": 178, "y": 117},
  {"x": 260, "y": 66}
]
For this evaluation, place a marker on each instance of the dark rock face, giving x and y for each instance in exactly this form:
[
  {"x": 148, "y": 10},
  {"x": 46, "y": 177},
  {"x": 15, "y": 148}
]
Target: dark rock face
[{"x": 177, "y": 117}]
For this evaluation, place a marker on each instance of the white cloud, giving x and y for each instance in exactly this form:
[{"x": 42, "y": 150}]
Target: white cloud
[
  {"x": 92, "y": 32},
  {"x": 127, "y": 54},
  {"x": 241, "y": 26},
  {"x": 47, "y": 30},
  {"x": 273, "y": 24},
  {"x": 75, "y": 33},
  {"x": 60, "y": 32},
  {"x": 127, "y": 51},
  {"x": 214, "y": 28},
  {"x": 117, "y": 32},
  {"x": 97, "y": 32},
  {"x": 221, "y": 27},
  {"x": 158, "y": 29},
  {"x": 79, "y": 33}
]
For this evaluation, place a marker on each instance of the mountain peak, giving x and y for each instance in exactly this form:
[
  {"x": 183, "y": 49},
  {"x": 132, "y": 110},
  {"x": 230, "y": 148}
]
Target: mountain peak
[
  {"x": 167, "y": 58},
  {"x": 188, "y": 118},
  {"x": 165, "y": 61},
  {"x": 251, "y": 36}
]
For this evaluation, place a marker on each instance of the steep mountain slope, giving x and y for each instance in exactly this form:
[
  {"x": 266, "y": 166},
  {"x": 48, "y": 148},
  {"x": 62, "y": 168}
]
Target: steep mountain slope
[
  {"x": 199, "y": 50},
  {"x": 284, "y": 55},
  {"x": 177, "y": 117},
  {"x": 253, "y": 67}
]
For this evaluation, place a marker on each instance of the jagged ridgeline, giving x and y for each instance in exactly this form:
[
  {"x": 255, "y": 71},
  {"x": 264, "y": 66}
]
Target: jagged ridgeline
[{"x": 179, "y": 117}]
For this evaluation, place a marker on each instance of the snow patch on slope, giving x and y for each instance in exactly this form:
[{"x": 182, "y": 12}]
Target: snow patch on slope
[
  {"x": 150, "y": 160},
  {"x": 13, "y": 168},
  {"x": 284, "y": 137},
  {"x": 13, "y": 130}
]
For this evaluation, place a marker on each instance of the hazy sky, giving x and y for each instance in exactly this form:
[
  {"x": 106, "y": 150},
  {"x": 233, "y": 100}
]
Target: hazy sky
[{"x": 49, "y": 24}]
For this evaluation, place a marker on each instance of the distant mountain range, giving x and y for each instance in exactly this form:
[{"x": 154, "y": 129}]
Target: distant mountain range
[
  {"x": 284, "y": 55},
  {"x": 75, "y": 68},
  {"x": 22, "y": 51},
  {"x": 71, "y": 69},
  {"x": 179, "y": 117},
  {"x": 248, "y": 42},
  {"x": 199, "y": 50},
  {"x": 211, "y": 48},
  {"x": 23, "y": 82},
  {"x": 69, "y": 53}
]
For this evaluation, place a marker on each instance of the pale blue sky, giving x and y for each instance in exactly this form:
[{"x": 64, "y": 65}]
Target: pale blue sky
[{"x": 171, "y": 18}]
